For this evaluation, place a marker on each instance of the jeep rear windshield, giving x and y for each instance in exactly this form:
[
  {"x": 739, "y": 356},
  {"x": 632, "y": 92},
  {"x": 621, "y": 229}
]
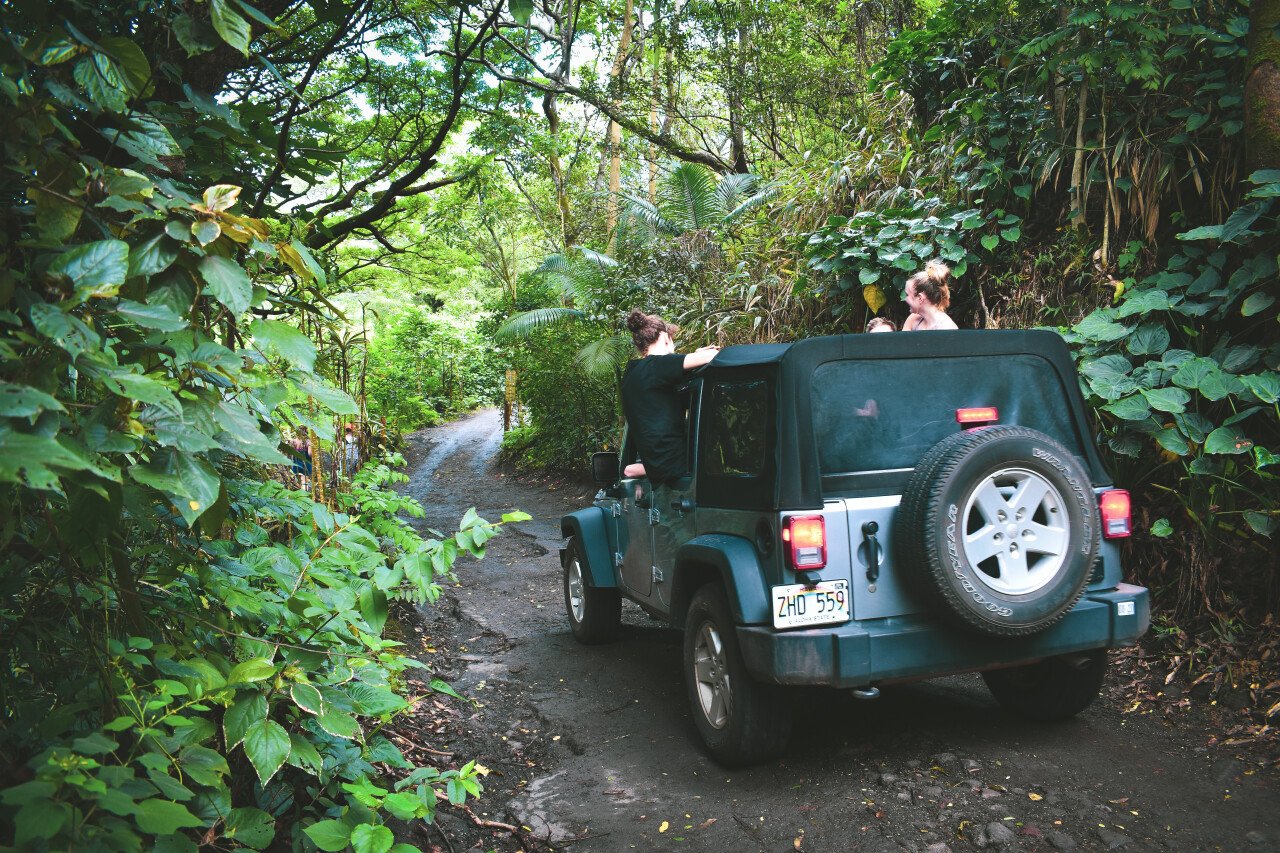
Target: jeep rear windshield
[{"x": 884, "y": 414}]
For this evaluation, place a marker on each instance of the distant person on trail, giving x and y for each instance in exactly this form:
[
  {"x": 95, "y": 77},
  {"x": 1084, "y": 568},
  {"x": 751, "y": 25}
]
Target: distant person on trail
[
  {"x": 301, "y": 463},
  {"x": 881, "y": 324},
  {"x": 652, "y": 407},
  {"x": 928, "y": 295},
  {"x": 350, "y": 451}
]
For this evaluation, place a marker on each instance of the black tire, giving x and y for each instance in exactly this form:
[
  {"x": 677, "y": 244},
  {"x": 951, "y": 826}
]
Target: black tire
[
  {"x": 595, "y": 615},
  {"x": 752, "y": 721},
  {"x": 1054, "y": 689},
  {"x": 998, "y": 573}
]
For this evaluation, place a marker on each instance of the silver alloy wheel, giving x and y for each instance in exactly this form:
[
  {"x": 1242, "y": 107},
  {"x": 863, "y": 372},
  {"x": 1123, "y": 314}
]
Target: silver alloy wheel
[
  {"x": 711, "y": 672},
  {"x": 577, "y": 600},
  {"x": 1016, "y": 531}
]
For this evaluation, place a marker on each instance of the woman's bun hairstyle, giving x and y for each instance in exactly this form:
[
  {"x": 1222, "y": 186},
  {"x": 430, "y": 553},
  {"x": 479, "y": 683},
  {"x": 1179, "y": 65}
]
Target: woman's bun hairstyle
[
  {"x": 934, "y": 284},
  {"x": 645, "y": 329}
]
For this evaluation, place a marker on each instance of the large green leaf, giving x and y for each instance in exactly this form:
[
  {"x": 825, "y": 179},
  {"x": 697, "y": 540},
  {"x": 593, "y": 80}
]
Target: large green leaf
[
  {"x": 161, "y": 817},
  {"x": 251, "y": 827},
  {"x": 337, "y": 401},
  {"x": 1148, "y": 339},
  {"x": 1265, "y": 386},
  {"x": 307, "y": 698},
  {"x": 256, "y": 669},
  {"x": 266, "y": 743},
  {"x": 338, "y": 724},
  {"x": 38, "y": 460},
  {"x": 65, "y": 330},
  {"x": 103, "y": 82},
  {"x": 367, "y": 838},
  {"x": 1133, "y": 408},
  {"x": 1227, "y": 440},
  {"x": 329, "y": 835},
  {"x": 242, "y": 435},
  {"x": 23, "y": 401},
  {"x": 95, "y": 269},
  {"x": 130, "y": 61},
  {"x": 159, "y": 317},
  {"x": 233, "y": 29},
  {"x": 1167, "y": 399},
  {"x": 1099, "y": 327},
  {"x": 291, "y": 344},
  {"x": 228, "y": 283},
  {"x": 303, "y": 754}
]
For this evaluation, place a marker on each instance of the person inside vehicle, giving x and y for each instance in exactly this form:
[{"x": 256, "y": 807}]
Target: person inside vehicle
[
  {"x": 928, "y": 295},
  {"x": 653, "y": 408},
  {"x": 881, "y": 324}
]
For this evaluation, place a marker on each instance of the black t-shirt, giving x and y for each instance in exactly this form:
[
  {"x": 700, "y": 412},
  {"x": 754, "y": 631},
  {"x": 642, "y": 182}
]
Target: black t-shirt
[{"x": 655, "y": 414}]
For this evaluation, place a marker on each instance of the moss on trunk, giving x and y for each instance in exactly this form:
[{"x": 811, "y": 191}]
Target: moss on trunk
[{"x": 1262, "y": 87}]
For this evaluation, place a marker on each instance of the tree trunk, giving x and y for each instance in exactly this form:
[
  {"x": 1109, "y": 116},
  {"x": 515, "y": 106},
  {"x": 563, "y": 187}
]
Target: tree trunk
[
  {"x": 616, "y": 81},
  {"x": 1262, "y": 88}
]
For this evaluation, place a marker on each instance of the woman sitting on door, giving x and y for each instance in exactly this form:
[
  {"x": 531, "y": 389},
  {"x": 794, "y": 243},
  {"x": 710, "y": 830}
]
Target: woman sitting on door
[{"x": 654, "y": 411}]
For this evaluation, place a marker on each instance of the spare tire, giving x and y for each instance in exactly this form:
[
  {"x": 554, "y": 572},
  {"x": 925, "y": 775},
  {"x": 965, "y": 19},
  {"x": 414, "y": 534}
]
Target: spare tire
[{"x": 999, "y": 527}]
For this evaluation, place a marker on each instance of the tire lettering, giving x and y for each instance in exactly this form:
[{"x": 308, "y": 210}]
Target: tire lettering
[
  {"x": 1081, "y": 499},
  {"x": 953, "y": 552}
]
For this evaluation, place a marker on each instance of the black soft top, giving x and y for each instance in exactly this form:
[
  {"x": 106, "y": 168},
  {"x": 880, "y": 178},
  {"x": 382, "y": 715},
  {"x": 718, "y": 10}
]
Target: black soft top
[{"x": 789, "y": 370}]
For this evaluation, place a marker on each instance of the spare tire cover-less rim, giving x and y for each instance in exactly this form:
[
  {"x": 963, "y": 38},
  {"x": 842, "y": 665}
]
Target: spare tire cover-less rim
[{"x": 999, "y": 526}]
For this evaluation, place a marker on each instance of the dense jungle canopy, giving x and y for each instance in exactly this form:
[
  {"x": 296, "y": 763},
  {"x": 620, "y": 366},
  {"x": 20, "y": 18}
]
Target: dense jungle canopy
[{"x": 231, "y": 225}]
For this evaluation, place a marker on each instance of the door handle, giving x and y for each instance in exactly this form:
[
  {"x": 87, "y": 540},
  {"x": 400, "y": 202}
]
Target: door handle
[
  {"x": 683, "y": 505},
  {"x": 869, "y": 531}
]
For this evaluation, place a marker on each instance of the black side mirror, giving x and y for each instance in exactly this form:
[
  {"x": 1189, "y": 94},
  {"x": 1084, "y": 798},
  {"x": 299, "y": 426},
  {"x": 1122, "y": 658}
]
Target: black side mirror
[{"x": 604, "y": 467}]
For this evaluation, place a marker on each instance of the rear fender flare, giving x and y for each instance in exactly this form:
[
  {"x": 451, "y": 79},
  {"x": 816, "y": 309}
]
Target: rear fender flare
[
  {"x": 587, "y": 526},
  {"x": 733, "y": 562}
]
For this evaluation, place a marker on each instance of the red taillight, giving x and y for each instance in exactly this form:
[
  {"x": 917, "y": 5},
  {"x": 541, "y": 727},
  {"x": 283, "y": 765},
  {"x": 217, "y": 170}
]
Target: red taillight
[
  {"x": 982, "y": 415},
  {"x": 1116, "y": 514},
  {"x": 807, "y": 536}
]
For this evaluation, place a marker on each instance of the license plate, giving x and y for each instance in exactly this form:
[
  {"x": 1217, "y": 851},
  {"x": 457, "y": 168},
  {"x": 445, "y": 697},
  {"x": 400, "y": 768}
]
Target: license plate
[{"x": 797, "y": 605}]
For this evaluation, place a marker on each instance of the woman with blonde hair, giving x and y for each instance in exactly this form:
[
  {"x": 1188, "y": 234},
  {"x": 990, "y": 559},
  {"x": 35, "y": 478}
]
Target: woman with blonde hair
[{"x": 928, "y": 295}]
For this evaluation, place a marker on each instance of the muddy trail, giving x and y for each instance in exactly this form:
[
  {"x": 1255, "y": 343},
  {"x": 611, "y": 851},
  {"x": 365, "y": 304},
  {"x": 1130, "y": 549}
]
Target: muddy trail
[{"x": 593, "y": 749}]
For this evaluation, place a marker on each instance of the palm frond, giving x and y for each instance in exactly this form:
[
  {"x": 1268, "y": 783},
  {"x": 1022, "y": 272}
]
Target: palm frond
[
  {"x": 732, "y": 189},
  {"x": 602, "y": 357},
  {"x": 751, "y": 202},
  {"x": 687, "y": 197},
  {"x": 553, "y": 263},
  {"x": 524, "y": 324},
  {"x": 600, "y": 259},
  {"x": 643, "y": 211}
]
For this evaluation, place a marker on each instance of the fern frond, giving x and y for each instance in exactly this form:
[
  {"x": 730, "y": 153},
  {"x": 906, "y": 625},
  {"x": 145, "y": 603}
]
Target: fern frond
[
  {"x": 522, "y": 325},
  {"x": 602, "y": 357}
]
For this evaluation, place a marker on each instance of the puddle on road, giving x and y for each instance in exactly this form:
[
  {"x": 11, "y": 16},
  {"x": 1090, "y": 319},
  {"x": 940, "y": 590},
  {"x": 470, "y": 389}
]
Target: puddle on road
[{"x": 536, "y": 805}]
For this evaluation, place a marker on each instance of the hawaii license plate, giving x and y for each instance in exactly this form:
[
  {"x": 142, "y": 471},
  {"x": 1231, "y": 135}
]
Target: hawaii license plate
[{"x": 797, "y": 605}]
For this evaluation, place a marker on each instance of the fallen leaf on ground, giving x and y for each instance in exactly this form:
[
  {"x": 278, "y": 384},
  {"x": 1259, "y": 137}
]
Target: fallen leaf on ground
[{"x": 663, "y": 826}]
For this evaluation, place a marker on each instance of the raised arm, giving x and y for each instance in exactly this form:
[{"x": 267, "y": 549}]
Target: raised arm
[{"x": 699, "y": 357}]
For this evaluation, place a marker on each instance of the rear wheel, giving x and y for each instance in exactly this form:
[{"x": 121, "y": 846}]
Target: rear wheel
[
  {"x": 741, "y": 720},
  {"x": 1056, "y": 688},
  {"x": 595, "y": 615}
]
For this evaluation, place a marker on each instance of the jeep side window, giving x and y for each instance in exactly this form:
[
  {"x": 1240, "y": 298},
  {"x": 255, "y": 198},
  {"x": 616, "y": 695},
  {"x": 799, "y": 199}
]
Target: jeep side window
[{"x": 738, "y": 412}]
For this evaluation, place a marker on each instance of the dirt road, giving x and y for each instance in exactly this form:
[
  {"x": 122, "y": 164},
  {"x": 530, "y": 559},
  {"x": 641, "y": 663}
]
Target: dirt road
[{"x": 592, "y": 748}]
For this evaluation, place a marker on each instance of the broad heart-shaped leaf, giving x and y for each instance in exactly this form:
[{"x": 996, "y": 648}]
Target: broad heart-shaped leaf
[
  {"x": 1261, "y": 523},
  {"x": 990, "y": 241},
  {"x": 875, "y": 297},
  {"x": 234, "y": 29},
  {"x": 1162, "y": 528},
  {"x": 95, "y": 269},
  {"x": 339, "y": 724},
  {"x": 404, "y": 805},
  {"x": 521, "y": 11},
  {"x": 205, "y": 231},
  {"x": 251, "y": 827},
  {"x": 291, "y": 344},
  {"x": 1256, "y": 303},
  {"x": 1167, "y": 399},
  {"x": 1191, "y": 373},
  {"x": 22, "y": 401},
  {"x": 869, "y": 276},
  {"x": 303, "y": 754},
  {"x": 267, "y": 745},
  {"x": 1227, "y": 440},
  {"x": 329, "y": 835},
  {"x": 1133, "y": 408},
  {"x": 1148, "y": 339},
  {"x": 257, "y": 669},
  {"x": 131, "y": 62},
  {"x": 246, "y": 711},
  {"x": 228, "y": 283},
  {"x": 159, "y": 317},
  {"x": 375, "y": 701},
  {"x": 221, "y": 197},
  {"x": 1172, "y": 441},
  {"x": 307, "y": 698},
  {"x": 1264, "y": 386},
  {"x": 161, "y": 817},
  {"x": 103, "y": 82},
  {"x": 367, "y": 838},
  {"x": 1098, "y": 327}
]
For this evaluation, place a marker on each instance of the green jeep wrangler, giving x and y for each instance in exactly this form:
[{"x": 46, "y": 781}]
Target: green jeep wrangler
[{"x": 868, "y": 509}]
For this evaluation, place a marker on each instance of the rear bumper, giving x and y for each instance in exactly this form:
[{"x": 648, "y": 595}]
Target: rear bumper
[{"x": 857, "y": 654}]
